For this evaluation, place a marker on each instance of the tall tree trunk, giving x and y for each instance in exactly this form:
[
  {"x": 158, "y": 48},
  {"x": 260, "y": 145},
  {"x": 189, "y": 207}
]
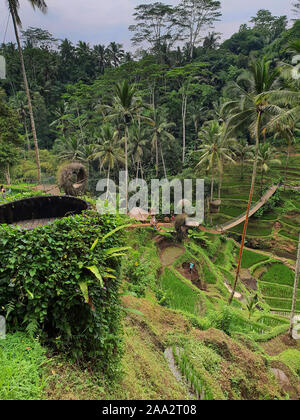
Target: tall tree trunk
[
  {"x": 220, "y": 181},
  {"x": 242, "y": 170},
  {"x": 163, "y": 162},
  {"x": 142, "y": 173},
  {"x": 212, "y": 186},
  {"x": 37, "y": 157},
  {"x": 287, "y": 164},
  {"x": 107, "y": 184},
  {"x": 261, "y": 182},
  {"x": 297, "y": 273},
  {"x": 26, "y": 133},
  {"x": 184, "y": 106},
  {"x": 7, "y": 174},
  {"x": 248, "y": 208},
  {"x": 126, "y": 167},
  {"x": 156, "y": 155}
]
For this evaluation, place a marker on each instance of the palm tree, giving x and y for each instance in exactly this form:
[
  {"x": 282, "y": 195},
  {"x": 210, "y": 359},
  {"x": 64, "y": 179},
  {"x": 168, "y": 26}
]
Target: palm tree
[
  {"x": 251, "y": 110},
  {"x": 100, "y": 53},
  {"x": 214, "y": 151},
  {"x": 287, "y": 132},
  {"x": 198, "y": 115},
  {"x": 284, "y": 124},
  {"x": 63, "y": 116},
  {"x": 244, "y": 153},
  {"x": 108, "y": 151},
  {"x": 211, "y": 41},
  {"x": 115, "y": 53},
  {"x": 14, "y": 6},
  {"x": 126, "y": 107},
  {"x": 69, "y": 148},
  {"x": 19, "y": 103},
  {"x": 160, "y": 132},
  {"x": 137, "y": 147},
  {"x": 266, "y": 158}
]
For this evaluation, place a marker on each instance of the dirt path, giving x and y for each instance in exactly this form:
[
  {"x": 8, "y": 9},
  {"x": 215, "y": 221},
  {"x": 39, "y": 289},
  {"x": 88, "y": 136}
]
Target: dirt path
[{"x": 49, "y": 189}]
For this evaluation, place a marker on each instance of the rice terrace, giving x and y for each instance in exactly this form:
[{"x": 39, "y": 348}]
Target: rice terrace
[{"x": 104, "y": 294}]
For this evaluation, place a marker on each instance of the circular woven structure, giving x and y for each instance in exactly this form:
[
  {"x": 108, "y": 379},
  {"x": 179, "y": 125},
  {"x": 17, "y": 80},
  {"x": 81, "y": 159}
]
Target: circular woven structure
[
  {"x": 38, "y": 211},
  {"x": 73, "y": 179}
]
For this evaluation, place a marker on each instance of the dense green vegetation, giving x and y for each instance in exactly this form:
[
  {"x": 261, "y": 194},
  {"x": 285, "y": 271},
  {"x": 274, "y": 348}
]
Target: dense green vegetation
[
  {"x": 21, "y": 376},
  {"x": 72, "y": 88},
  {"x": 68, "y": 293},
  {"x": 98, "y": 309}
]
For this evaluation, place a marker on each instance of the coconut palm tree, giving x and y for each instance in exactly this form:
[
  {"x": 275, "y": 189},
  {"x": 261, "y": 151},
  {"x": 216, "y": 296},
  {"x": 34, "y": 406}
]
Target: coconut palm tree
[
  {"x": 138, "y": 143},
  {"x": 20, "y": 104},
  {"x": 251, "y": 110},
  {"x": 285, "y": 123},
  {"x": 108, "y": 152},
  {"x": 160, "y": 132},
  {"x": 69, "y": 148},
  {"x": 127, "y": 106},
  {"x": 115, "y": 53},
  {"x": 14, "y": 6},
  {"x": 214, "y": 150},
  {"x": 63, "y": 116},
  {"x": 266, "y": 158},
  {"x": 244, "y": 152},
  {"x": 286, "y": 132}
]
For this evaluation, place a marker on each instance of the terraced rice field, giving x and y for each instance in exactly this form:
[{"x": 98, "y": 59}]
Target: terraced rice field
[{"x": 276, "y": 288}]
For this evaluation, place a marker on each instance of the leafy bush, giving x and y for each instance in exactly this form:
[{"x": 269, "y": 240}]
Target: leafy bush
[
  {"x": 273, "y": 202},
  {"x": 20, "y": 196},
  {"x": 139, "y": 272},
  {"x": 52, "y": 284},
  {"x": 222, "y": 320}
]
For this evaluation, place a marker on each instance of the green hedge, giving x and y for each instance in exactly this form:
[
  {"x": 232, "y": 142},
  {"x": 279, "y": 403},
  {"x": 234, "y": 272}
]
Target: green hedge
[{"x": 44, "y": 277}]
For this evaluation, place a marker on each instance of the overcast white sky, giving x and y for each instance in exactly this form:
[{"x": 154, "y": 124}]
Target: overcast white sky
[{"x": 102, "y": 21}]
